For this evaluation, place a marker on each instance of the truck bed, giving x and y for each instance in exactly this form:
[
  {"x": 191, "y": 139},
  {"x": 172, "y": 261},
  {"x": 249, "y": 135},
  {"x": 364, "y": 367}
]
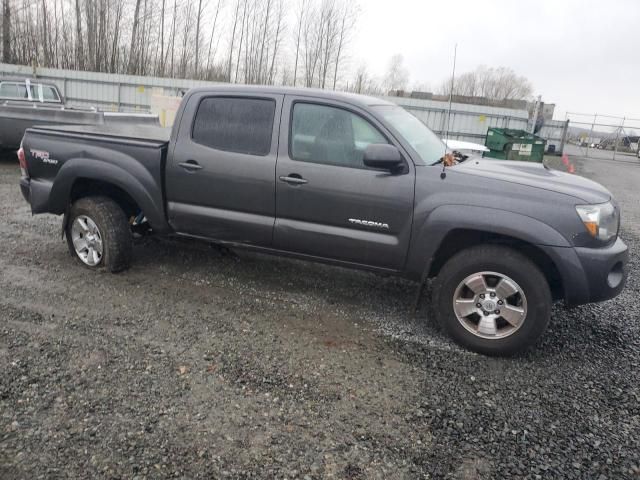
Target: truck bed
[
  {"x": 16, "y": 117},
  {"x": 130, "y": 157}
]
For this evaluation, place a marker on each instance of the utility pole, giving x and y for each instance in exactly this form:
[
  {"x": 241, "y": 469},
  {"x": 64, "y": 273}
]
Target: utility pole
[
  {"x": 565, "y": 129},
  {"x": 536, "y": 112}
]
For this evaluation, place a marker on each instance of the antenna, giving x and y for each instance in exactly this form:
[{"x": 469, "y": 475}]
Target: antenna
[{"x": 446, "y": 132}]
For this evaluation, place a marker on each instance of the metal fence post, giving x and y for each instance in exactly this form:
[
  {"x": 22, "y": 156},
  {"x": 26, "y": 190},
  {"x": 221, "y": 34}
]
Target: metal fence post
[
  {"x": 615, "y": 146},
  {"x": 593, "y": 126},
  {"x": 565, "y": 130}
]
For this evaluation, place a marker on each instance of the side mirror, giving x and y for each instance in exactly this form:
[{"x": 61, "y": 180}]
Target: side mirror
[{"x": 383, "y": 156}]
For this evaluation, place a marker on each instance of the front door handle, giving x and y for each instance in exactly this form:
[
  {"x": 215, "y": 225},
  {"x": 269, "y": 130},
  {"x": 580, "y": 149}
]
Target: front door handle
[
  {"x": 293, "y": 179},
  {"x": 191, "y": 165}
]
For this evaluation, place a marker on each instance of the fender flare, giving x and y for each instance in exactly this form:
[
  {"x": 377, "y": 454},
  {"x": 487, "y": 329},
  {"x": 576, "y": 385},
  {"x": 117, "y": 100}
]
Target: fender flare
[
  {"x": 135, "y": 180},
  {"x": 427, "y": 238}
]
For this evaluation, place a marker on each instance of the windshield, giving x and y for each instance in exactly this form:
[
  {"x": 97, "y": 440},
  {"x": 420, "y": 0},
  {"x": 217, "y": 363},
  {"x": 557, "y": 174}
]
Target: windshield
[{"x": 426, "y": 143}]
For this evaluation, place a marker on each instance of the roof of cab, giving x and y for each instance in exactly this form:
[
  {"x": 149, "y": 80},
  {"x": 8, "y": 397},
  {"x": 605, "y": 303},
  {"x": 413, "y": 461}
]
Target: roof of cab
[{"x": 352, "y": 98}]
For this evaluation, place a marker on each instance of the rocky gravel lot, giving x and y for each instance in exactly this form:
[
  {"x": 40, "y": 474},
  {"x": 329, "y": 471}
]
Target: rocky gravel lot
[{"x": 195, "y": 364}]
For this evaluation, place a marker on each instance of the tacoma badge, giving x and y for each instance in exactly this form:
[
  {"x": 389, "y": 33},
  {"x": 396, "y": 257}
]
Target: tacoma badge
[{"x": 369, "y": 223}]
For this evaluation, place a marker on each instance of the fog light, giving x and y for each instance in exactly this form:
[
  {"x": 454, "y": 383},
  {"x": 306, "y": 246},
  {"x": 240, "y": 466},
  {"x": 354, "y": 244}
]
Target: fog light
[{"x": 615, "y": 275}]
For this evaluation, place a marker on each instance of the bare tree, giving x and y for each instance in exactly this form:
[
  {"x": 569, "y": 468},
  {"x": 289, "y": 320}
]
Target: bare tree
[
  {"x": 323, "y": 30},
  {"x": 79, "y": 49},
  {"x": 311, "y": 44},
  {"x": 213, "y": 31},
  {"x": 347, "y": 24},
  {"x": 173, "y": 33},
  {"x": 6, "y": 31},
  {"x": 141, "y": 61},
  {"x": 255, "y": 46},
  {"x": 46, "y": 44},
  {"x": 397, "y": 76},
  {"x": 240, "y": 41},
  {"x": 361, "y": 80},
  {"x": 113, "y": 67},
  {"x": 134, "y": 36},
  {"x": 300, "y": 21},
  {"x": 279, "y": 27},
  {"x": 197, "y": 39},
  {"x": 329, "y": 33},
  {"x": 364, "y": 83},
  {"x": 499, "y": 83},
  {"x": 233, "y": 38},
  {"x": 242, "y": 34},
  {"x": 91, "y": 33},
  {"x": 187, "y": 24}
]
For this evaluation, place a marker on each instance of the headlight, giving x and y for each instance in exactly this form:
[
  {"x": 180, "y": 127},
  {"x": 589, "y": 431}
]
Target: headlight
[{"x": 602, "y": 221}]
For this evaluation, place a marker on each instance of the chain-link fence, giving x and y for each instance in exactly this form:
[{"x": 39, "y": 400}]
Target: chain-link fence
[{"x": 607, "y": 137}]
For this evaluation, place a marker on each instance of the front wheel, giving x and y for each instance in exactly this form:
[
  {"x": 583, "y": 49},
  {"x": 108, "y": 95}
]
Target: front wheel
[
  {"x": 492, "y": 299},
  {"x": 98, "y": 234}
]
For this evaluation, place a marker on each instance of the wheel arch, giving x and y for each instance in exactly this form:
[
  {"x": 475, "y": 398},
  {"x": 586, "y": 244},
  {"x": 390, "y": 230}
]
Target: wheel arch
[
  {"x": 449, "y": 229},
  {"x": 89, "y": 187},
  {"x": 460, "y": 239},
  {"x": 85, "y": 177}
]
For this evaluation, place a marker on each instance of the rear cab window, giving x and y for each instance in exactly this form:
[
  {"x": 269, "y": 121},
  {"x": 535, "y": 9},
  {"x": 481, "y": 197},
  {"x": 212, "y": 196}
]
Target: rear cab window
[
  {"x": 18, "y": 91},
  {"x": 235, "y": 124},
  {"x": 49, "y": 94},
  {"x": 13, "y": 90}
]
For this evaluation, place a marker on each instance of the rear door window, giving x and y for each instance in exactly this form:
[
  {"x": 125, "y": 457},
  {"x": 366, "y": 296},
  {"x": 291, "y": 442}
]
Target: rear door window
[{"x": 240, "y": 125}]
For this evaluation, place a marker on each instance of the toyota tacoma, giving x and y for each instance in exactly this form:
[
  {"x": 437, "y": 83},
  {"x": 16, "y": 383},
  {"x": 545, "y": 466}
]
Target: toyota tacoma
[{"x": 339, "y": 178}]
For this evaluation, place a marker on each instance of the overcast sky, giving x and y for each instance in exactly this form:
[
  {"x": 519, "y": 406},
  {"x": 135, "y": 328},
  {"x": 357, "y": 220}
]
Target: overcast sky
[{"x": 582, "y": 55}]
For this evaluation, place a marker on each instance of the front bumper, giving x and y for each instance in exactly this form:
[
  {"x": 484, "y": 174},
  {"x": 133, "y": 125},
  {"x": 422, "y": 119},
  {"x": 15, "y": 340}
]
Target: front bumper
[
  {"x": 605, "y": 269},
  {"x": 591, "y": 274}
]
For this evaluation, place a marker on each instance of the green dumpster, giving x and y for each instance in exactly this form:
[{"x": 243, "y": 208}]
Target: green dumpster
[{"x": 508, "y": 144}]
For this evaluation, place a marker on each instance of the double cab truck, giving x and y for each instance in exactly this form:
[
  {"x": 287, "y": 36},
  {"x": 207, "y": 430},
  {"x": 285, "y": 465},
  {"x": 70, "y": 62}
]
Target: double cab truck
[{"x": 345, "y": 179}]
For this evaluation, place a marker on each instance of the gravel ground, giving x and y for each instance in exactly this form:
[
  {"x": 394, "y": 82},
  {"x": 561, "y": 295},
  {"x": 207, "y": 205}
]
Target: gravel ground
[{"x": 195, "y": 364}]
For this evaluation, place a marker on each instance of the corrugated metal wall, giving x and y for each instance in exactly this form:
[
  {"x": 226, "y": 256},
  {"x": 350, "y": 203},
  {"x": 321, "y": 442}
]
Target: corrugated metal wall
[
  {"x": 124, "y": 93},
  {"x": 470, "y": 122},
  {"x": 467, "y": 122},
  {"x": 129, "y": 93}
]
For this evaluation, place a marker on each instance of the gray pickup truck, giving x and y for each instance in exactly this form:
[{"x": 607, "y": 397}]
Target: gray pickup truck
[{"x": 346, "y": 179}]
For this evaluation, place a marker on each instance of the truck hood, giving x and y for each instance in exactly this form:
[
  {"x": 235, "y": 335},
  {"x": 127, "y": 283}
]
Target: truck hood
[{"x": 537, "y": 176}]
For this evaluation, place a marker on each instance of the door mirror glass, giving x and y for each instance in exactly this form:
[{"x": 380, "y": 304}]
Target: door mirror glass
[{"x": 383, "y": 156}]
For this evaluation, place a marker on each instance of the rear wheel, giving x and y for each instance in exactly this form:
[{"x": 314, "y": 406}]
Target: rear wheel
[
  {"x": 98, "y": 234},
  {"x": 492, "y": 300}
]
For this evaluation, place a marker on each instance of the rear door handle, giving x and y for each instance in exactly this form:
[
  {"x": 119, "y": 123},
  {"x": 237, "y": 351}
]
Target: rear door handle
[
  {"x": 190, "y": 165},
  {"x": 293, "y": 179}
]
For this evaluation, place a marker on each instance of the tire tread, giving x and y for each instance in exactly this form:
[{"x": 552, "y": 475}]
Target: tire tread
[
  {"x": 117, "y": 238},
  {"x": 486, "y": 256}
]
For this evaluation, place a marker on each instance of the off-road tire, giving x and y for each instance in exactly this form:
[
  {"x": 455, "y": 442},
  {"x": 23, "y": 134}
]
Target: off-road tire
[
  {"x": 506, "y": 261},
  {"x": 114, "y": 229}
]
